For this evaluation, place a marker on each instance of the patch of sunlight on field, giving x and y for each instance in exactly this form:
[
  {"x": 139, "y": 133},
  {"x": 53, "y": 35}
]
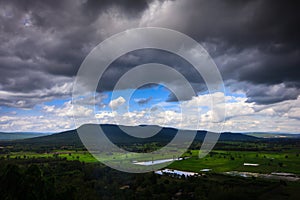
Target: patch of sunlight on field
[{"x": 222, "y": 161}]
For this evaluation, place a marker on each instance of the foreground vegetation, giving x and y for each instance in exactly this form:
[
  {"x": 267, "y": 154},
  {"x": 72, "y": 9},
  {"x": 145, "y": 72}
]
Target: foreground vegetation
[
  {"x": 71, "y": 172},
  {"x": 57, "y": 178}
]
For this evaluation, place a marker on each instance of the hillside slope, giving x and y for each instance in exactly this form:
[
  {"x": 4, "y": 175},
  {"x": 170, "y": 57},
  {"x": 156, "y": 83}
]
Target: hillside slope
[{"x": 117, "y": 136}]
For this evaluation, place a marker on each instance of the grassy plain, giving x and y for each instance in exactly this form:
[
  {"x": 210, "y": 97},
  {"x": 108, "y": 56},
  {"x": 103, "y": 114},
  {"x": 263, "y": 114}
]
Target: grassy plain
[
  {"x": 222, "y": 161},
  {"x": 217, "y": 160}
]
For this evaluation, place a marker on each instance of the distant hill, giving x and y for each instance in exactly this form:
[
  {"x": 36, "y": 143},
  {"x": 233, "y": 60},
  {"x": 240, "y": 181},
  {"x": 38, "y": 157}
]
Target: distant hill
[
  {"x": 6, "y": 136},
  {"x": 272, "y": 135},
  {"x": 117, "y": 136}
]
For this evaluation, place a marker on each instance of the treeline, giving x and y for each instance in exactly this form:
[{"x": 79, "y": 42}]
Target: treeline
[{"x": 60, "y": 179}]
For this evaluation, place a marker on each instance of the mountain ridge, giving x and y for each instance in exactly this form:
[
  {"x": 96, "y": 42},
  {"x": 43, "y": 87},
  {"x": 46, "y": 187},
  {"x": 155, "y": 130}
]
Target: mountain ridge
[
  {"x": 8, "y": 136},
  {"x": 117, "y": 136}
]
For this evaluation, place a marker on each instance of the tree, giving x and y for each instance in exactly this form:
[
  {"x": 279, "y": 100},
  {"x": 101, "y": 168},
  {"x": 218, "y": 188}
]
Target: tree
[{"x": 10, "y": 183}]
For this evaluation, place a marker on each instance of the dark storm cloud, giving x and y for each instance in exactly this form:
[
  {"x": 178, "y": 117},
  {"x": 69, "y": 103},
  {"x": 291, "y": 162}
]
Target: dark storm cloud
[
  {"x": 268, "y": 25},
  {"x": 273, "y": 69},
  {"x": 59, "y": 33},
  {"x": 60, "y": 90},
  {"x": 265, "y": 93},
  {"x": 142, "y": 101},
  {"x": 132, "y": 8},
  {"x": 262, "y": 94},
  {"x": 126, "y": 62},
  {"x": 254, "y": 43},
  {"x": 44, "y": 42}
]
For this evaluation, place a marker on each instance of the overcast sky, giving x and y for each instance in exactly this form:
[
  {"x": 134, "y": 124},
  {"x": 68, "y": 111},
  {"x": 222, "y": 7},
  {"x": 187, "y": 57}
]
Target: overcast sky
[{"x": 255, "y": 45}]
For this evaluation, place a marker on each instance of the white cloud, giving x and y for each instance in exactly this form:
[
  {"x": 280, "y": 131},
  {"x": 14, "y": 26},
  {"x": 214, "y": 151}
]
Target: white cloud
[
  {"x": 240, "y": 116},
  {"x": 67, "y": 110},
  {"x": 115, "y": 103},
  {"x": 35, "y": 123},
  {"x": 49, "y": 108}
]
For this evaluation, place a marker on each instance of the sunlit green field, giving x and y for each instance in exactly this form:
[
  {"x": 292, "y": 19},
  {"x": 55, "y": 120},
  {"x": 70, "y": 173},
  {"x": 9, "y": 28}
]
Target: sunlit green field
[
  {"x": 82, "y": 156},
  {"x": 217, "y": 161},
  {"x": 222, "y": 161},
  {"x": 85, "y": 156}
]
